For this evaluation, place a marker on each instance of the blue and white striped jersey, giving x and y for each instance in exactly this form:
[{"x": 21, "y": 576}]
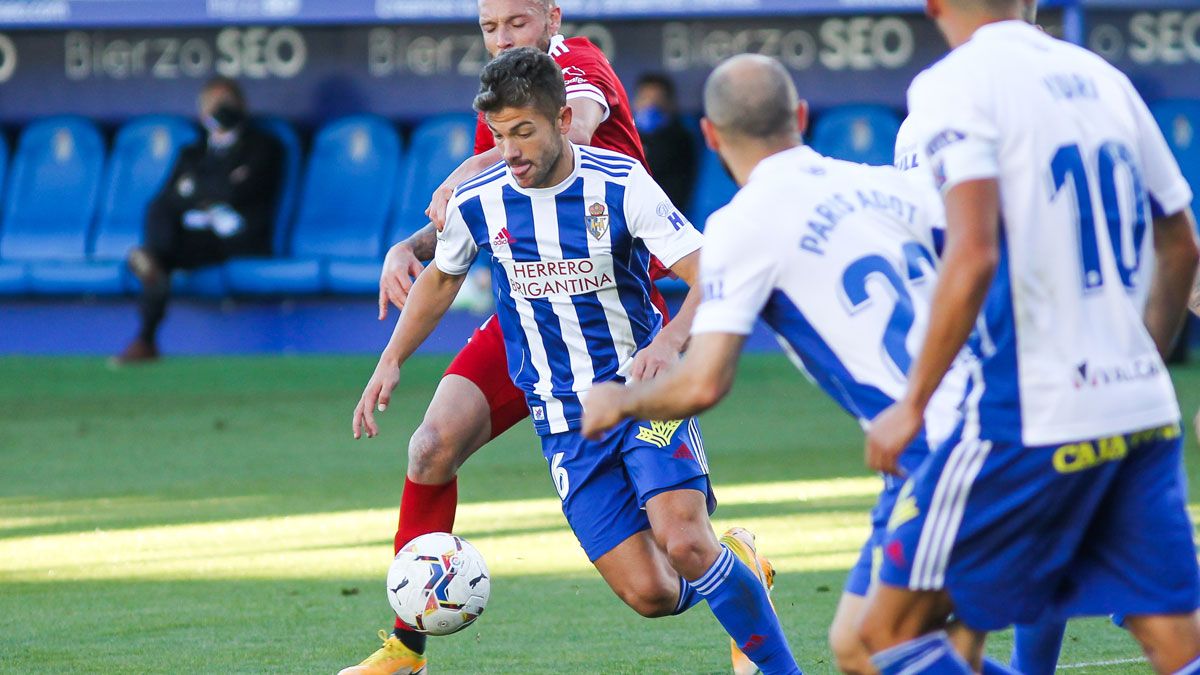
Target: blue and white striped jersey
[{"x": 569, "y": 271}]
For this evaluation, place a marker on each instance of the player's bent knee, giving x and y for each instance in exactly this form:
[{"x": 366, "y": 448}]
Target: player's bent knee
[
  {"x": 849, "y": 652},
  {"x": 430, "y": 458},
  {"x": 1170, "y": 642},
  {"x": 690, "y": 556},
  {"x": 877, "y": 632},
  {"x": 651, "y": 600}
]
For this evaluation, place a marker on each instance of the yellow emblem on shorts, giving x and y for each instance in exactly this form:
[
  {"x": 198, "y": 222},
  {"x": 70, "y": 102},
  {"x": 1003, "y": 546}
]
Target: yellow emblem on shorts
[
  {"x": 659, "y": 433},
  {"x": 905, "y": 508}
]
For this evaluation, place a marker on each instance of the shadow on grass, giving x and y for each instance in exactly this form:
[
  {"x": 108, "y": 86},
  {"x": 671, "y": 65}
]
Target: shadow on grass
[
  {"x": 537, "y": 624},
  {"x": 534, "y": 624}
]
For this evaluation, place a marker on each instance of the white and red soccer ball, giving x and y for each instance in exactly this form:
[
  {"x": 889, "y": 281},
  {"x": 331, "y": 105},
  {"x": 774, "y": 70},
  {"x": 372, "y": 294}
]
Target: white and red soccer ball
[{"x": 438, "y": 584}]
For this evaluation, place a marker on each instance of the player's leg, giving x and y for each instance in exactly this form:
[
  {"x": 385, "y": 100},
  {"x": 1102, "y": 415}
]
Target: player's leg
[
  {"x": 1171, "y": 641},
  {"x": 903, "y": 628},
  {"x": 1138, "y": 558},
  {"x": 665, "y": 462},
  {"x": 988, "y": 532},
  {"x": 849, "y": 652},
  {"x": 639, "y": 573},
  {"x": 601, "y": 506},
  {"x": 736, "y": 593},
  {"x": 474, "y": 402},
  {"x": 1036, "y": 646}
]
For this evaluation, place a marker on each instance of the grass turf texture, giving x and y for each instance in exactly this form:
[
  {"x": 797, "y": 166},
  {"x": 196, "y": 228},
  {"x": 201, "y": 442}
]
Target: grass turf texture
[{"x": 214, "y": 515}]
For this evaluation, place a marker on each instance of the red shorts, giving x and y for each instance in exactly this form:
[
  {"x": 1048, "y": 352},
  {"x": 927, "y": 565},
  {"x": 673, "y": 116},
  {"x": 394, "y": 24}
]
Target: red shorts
[{"x": 482, "y": 361}]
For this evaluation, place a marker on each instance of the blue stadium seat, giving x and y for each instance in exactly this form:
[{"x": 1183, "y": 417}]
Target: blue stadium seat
[
  {"x": 714, "y": 188},
  {"x": 3, "y": 163},
  {"x": 345, "y": 199},
  {"x": 289, "y": 188},
  {"x": 13, "y": 279},
  {"x": 52, "y": 197},
  {"x": 142, "y": 156},
  {"x": 141, "y": 160},
  {"x": 1180, "y": 122},
  {"x": 53, "y": 191},
  {"x": 353, "y": 277},
  {"x": 438, "y": 146},
  {"x": 857, "y": 133}
]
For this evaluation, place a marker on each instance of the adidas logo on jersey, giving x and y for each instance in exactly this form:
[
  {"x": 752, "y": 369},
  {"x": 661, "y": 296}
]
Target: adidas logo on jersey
[{"x": 503, "y": 238}]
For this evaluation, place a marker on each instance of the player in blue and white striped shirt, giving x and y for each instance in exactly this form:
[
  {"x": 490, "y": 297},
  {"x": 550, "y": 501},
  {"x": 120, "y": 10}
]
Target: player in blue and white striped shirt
[{"x": 570, "y": 230}]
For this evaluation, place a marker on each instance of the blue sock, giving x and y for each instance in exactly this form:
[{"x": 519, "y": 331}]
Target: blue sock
[
  {"x": 991, "y": 667},
  {"x": 740, "y": 603},
  {"x": 687, "y": 597},
  {"x": 1190, "y": 669},
  {"x": 1036, "y": 647},
  {"x": 929, "y": 654}
]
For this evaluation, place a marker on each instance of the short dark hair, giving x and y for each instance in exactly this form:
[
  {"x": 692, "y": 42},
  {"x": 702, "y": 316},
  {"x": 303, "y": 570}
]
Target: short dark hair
[
  {"x": 520, "y": 78},
  {"x": 658, "y": 80},
  {"x": 230, "y": 86}
]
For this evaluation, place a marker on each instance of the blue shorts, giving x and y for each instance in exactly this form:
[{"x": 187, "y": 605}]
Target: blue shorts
[
  {"x": 605, "y": 484},
  {"x": 1017, "y": 533},
  {"x": 867, "y": 567}
]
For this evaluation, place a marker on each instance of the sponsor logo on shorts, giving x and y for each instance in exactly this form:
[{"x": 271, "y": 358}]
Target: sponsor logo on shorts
[
  {"x": 658, "y": 434},
  {"x": 1076, "y": 457}
]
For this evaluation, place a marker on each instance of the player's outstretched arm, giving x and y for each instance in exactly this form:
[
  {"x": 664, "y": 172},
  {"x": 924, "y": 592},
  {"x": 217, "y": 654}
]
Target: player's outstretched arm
[
  {"x": 430, "y": 298},
  {"x": 1174, "y": 278},
  {"x": 971, "y": 255},
  {"x": 695, "y": 384},
  {"x": 402, "y": 265},
  {"x": 660, "y": 354},
  {"x": 470, "y": 168}
]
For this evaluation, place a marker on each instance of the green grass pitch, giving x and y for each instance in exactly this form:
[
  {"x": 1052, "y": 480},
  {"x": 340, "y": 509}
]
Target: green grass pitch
[{"x": 215, "y": 516}]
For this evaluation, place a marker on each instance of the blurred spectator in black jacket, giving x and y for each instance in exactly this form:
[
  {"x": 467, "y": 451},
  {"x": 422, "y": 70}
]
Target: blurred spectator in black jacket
[
  {"x": 218, "y": 203},
  {"x": 670, "y": 149}
]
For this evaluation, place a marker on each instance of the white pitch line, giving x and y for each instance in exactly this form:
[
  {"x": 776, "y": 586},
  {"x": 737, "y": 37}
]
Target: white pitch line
[{"x": 1114, "y": 662}]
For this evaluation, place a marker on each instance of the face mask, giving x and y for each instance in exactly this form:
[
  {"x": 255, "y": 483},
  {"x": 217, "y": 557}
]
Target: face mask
[
  {"x": 650, "y": 119},
  {"x": 228, "y": 116}
]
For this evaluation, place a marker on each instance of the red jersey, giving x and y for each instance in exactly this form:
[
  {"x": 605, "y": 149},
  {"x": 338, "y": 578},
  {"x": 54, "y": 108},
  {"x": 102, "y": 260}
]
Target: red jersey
[{"x": 588, "y": 74}]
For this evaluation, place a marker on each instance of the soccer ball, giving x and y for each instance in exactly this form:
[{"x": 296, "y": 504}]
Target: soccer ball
[{"x": 438, "y": 584}]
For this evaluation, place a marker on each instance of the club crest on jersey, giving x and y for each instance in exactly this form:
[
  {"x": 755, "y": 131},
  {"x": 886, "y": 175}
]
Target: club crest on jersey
[{"x": 597, "y": 220}]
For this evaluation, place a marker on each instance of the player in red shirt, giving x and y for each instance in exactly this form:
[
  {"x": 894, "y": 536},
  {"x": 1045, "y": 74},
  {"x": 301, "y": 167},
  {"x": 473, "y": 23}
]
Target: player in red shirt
[{"x": 476, "y": 400}]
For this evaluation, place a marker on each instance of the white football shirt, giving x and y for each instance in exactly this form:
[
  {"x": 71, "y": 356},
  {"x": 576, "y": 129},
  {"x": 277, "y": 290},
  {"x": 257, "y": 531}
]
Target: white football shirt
[
  {"x": 838, "y": 260},
  {"x": 1081, "y": 166}
]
